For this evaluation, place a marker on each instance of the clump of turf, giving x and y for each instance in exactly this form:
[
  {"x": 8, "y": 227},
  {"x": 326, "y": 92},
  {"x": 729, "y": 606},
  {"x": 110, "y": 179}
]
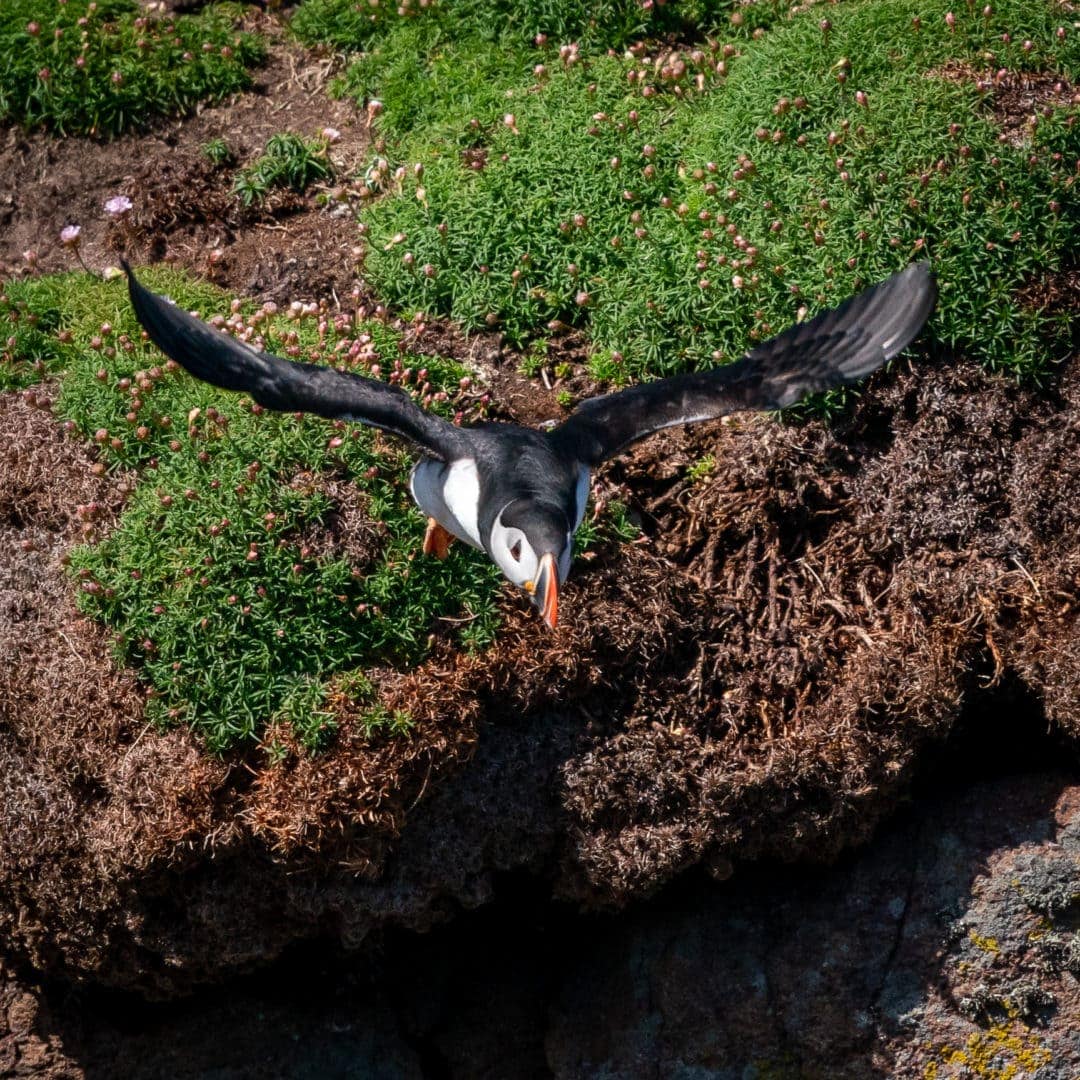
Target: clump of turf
[
  {"x": 259, "y": 553},
  {"x": 30, "y": 348},
  {"x": 289, "y": 161},
  {"x": 682, "y": 203},
  {"x": 100, "y": 67}
]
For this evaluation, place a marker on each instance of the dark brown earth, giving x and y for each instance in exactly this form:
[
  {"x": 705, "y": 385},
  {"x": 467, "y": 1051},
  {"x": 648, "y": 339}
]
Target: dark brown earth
[
  {"x": 799, "y": 632},
  {"x": 950, "y": 945}
]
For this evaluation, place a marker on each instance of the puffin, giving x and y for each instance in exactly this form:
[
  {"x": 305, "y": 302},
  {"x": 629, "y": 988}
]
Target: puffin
[{"x": 519, "y": 493}]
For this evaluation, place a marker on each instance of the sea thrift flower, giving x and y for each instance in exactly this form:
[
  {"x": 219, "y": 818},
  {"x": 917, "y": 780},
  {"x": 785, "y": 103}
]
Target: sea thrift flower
[
  {"x": 331, "y": 134},
  {"x": 117, "y": 206},
  {"x": 69, "y": 235}
]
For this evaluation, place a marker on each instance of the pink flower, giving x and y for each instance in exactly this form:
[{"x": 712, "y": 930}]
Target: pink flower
[
  {"x": 69, "y": 235},
  {"x": 117, "y": 206},
  {"x": 331, "y": 135}
]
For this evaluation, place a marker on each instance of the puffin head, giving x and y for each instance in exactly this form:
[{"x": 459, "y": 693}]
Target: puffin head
[{"x": 532, "y": 543}]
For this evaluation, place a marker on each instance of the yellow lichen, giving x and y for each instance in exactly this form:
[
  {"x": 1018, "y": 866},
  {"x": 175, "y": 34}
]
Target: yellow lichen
[
  {"x": 987, "y": 944},
  {"x": 995, "y": 1054}
]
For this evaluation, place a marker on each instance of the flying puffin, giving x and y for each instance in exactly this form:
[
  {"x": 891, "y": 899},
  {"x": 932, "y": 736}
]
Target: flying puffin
[{"x": 519, "y": 493}]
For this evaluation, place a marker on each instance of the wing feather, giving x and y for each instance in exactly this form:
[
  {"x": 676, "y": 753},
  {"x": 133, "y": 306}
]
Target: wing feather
[
  {"x": 287, "y": 385},
  {"x": 839, "y": 346}
]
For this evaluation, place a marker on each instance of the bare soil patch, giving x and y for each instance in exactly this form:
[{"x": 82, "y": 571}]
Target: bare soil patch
[{"x": 183, "y": 208}]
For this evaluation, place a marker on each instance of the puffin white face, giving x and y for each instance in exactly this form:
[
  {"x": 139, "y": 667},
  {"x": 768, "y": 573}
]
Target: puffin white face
[{"x": 534, "y": 553}]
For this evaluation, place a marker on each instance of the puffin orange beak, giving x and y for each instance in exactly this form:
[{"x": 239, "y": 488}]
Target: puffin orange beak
[{"x": 545, "y": 593}]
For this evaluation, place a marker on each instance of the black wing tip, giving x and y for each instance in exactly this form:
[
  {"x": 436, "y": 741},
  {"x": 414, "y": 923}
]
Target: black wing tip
[
  {"x": 919, "y": 294},
  {"x": 921, "y": 275}
]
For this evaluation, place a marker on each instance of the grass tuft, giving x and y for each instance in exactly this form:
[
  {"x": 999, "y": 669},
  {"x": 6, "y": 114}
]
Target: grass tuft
[{"x": 289, "y": 161}]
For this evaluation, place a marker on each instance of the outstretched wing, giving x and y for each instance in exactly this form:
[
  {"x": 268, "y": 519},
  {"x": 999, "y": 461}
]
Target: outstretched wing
[
  {"x": 286, "y": 385},
  {"x": 836, "y": 347}
]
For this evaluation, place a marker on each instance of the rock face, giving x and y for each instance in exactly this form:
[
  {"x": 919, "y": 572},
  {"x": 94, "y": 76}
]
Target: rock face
[
  {"x": 760, "y": 679},
  {"x": 930, "y": 955},
  {"x": 948, "y": 949}
]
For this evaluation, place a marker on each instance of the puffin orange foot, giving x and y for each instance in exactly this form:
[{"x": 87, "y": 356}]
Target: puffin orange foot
[{"x": 437, "y": 540}]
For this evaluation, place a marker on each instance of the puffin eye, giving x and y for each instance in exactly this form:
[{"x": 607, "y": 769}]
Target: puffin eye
[{"x": 515, "y": 551}]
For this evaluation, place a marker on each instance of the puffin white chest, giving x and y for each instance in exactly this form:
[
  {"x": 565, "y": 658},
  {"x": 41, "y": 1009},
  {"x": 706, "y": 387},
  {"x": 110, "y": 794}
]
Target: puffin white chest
[{"x": 451, "y": 495}]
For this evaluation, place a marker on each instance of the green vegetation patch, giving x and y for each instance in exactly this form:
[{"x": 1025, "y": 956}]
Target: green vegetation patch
[
  {"x": 223, "y": 579},
  {"x": 289, "y": 161},
  {"x": 682, "y": 203},
  {"x": 100, "y": 67},
  {"x": 592, "y": 24},
  {"x": 31, "y": 345}
]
